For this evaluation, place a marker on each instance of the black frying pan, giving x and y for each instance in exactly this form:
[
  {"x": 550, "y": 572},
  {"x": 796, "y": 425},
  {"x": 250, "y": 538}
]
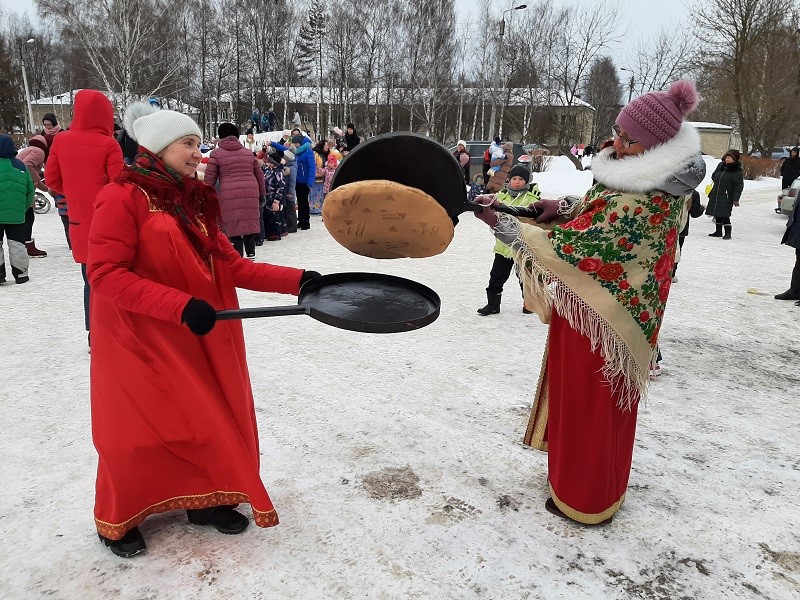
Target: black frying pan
[
  {"x": 413, "y": 160},
  {"x": 367, "y": 302},
  {"x": 409, "y": 159}
]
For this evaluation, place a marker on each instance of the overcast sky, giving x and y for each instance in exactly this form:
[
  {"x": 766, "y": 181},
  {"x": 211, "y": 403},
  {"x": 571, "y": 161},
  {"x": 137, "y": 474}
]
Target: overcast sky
[{"x": 640, "y": 17}]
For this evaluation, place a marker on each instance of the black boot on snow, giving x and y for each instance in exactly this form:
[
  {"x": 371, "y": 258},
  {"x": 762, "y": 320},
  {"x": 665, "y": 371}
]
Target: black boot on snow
[
  {"x": 727, "y": 235},
  {"x": 224, "y": 518},
  {"x": 788, "y": 295},
  {"x": 550, "y": 506},
  {"x": 718, "y": 232},
  {"x": 492, "y": 305},
  {"x": 131, "y": 544}
]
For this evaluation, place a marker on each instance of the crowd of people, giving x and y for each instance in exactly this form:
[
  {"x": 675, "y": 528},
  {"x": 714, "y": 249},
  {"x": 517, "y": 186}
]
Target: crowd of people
[
  {"x": 163, "y": 236},
  {"x": 160, "y": 252}
]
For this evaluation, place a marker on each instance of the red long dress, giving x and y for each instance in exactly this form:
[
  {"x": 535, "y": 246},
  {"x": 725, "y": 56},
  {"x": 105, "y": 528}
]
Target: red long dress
[
  {"x": 173, "y": 419},
  {"x": 588, "y": 438}
]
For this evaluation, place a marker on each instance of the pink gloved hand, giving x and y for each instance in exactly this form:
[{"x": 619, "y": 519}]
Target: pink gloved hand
[
  {"x": 488, "y": 215},
  {"x": 548, "y": 210}
]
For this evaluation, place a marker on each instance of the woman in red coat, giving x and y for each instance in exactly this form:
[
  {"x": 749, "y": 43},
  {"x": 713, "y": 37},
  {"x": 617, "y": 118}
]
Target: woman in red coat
[
  {"x": 173, "y": 419},
  {"x": 81, "y": 161}
]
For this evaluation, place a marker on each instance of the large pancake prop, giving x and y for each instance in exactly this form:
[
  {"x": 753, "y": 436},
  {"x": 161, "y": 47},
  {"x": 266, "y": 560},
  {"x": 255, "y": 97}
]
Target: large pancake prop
[{"x": 397, "y": 195}]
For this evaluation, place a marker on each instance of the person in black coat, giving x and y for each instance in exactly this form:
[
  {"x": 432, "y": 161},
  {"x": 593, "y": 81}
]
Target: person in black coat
[
  {"x": 792, "y": 238},
  {"x": 790, "y": 169},
  {"x": 351, "y": 139},
  {"x": 695, "y": 210},
  {"x": 728, "y": 181}
]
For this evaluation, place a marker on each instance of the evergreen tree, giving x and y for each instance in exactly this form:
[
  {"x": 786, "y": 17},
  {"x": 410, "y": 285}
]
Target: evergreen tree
[
  {"x": 11, "y": 104},
  {"x": 309, "y": 64}
]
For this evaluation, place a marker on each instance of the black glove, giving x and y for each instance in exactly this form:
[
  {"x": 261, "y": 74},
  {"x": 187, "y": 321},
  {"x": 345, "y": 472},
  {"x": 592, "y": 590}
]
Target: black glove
[
  {"x": 311, "y": 276},
  {"x": 199, "y": 316},
  {"x": 262, "y": 201}
]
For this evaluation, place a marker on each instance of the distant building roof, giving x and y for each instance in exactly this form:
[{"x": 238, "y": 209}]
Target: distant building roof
[
  {"x": 170, "y": 103},
  {"x": 701, "y": 125},
  {"x": 308, "y": 95}
]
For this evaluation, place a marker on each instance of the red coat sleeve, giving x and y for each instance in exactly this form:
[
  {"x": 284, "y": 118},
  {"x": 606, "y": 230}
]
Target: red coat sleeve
[
  {"x": 113, "y": 238},
  {"x": 52, "y": 170},
  {"x": 260, "y": 277},
  {"x": 114, "y": 161}
]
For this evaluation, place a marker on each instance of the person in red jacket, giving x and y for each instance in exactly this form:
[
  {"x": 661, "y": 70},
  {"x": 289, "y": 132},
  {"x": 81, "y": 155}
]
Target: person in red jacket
[
  {"x": 82, "y": 160},
  {"x": 173, "y": 419}
]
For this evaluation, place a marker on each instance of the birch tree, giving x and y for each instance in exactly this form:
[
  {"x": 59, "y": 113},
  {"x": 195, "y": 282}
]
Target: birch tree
[
  {"x": 658, "y": 61},
  {"x": 120, "y": 39},
  {"x": 750, "y": 50}
]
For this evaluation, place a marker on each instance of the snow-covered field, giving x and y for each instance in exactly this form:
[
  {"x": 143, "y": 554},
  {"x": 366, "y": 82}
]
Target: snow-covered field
[{"x": 395, "y": 461}]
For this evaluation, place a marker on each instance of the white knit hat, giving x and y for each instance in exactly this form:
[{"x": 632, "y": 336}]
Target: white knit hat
[{"x": 158, "y": 130}]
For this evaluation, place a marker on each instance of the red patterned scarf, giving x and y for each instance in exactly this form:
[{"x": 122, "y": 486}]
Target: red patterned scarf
[{"x": 194, "y": 204}]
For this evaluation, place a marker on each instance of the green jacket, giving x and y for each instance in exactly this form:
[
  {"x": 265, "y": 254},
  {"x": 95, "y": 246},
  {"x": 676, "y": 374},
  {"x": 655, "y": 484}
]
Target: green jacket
[
  {"x": 532, "y": 195},
  {"x": 16, "y": 191}
]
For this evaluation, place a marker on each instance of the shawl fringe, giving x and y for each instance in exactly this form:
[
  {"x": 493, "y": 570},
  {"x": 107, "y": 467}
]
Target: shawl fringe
[{"x": 621, "y": 370}]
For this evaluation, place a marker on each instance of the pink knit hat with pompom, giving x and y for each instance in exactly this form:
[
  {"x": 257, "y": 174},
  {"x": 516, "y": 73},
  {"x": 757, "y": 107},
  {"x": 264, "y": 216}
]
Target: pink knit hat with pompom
[{"x": 656, "y": 117}]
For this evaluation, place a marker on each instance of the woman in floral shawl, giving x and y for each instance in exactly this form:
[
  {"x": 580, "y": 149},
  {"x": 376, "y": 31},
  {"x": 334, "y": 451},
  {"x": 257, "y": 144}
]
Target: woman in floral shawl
[{"x": 599, "y": 273}]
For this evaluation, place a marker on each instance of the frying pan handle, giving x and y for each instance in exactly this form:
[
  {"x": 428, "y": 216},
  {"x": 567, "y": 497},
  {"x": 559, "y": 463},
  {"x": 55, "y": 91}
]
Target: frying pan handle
[
  {"x": 517, "y": 211},
  {"x": 265, "y": 311},
  {"x": 472, "y": 207}
]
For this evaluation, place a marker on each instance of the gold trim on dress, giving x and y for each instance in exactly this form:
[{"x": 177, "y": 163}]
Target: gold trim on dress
[
  {"x": 115, "y": 531},
  {"x": 586, "y": 518},
  {"x": 537, "y": 424}
]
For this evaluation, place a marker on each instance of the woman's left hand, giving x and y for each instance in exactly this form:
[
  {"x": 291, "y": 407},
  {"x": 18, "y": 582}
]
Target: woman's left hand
[{"x": 736, "y": 203}]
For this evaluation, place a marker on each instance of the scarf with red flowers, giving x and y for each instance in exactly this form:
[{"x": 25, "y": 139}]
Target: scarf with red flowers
[
  {"x": 194, "y": 204},
  {"x": 608, "y": 272}
]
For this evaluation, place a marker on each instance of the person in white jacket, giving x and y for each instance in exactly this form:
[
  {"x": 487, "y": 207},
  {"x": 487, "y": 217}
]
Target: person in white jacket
[{"x": 251, "y": 143}]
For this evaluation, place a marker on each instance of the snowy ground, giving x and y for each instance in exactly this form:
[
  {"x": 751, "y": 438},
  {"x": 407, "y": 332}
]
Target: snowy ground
[{"x": 395, "y": 461}]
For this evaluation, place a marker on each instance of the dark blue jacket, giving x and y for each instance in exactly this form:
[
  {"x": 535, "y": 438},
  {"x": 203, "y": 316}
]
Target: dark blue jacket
[{"x": 792, "y": 235}]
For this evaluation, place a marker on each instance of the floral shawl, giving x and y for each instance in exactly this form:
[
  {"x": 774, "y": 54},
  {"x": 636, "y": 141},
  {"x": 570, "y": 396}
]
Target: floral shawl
[{"x": 608, "y": 269}]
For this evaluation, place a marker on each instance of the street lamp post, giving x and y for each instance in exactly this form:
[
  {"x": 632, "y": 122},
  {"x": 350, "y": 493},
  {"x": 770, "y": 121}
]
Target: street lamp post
[
  {"x": 496, "y": 83},
  {"x": 25, "y": 82},
  {"x": 630, "y": 84}
]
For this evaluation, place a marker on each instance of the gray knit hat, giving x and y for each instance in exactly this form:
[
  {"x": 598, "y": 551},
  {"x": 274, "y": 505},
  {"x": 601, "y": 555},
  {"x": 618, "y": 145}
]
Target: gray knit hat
[{"x": 158, "y": 130}]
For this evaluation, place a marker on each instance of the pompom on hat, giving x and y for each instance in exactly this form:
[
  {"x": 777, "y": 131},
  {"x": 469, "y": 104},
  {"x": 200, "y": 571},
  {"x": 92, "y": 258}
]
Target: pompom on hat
[
  {"x": 656, "y": 117},
  {"x": 158, "y": 130}
]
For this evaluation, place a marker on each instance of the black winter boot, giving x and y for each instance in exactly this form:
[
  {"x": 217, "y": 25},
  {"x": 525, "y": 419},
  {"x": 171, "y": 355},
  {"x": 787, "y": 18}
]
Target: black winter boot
[
  {"x": 793, "y": 293},
  {"x": 492, "y": 304},
  {"x": 131, "y": 544},
  {"x": 788, "y": 295},
  {"x": 223, "y": 518},
  {"x": 718, "y": 232},
  {"x": 727, "y": 235}
]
